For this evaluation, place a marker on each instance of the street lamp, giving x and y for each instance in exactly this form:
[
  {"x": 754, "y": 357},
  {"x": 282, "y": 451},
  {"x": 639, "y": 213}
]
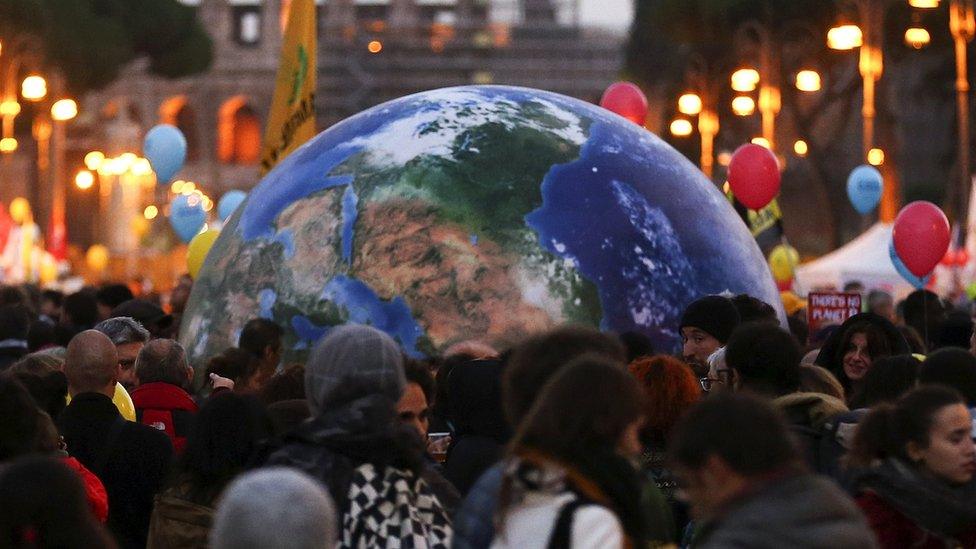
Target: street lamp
[
  {"x": 33, "y": 88},
  {"x": 745, "y": 80},
  {"x": 801, "y": 148},
  {"x": 84, "y": 180},
  {"x": 876, "y": 157},
  {"x": 690, "y": 104},
  {"x": 681, "y": 127},
  {"x": 808, "y": 80},
  {"x": 743, "y": 105},
  {"x": 8, "y": 144},
  {"x": 845, "y": 37},
  {"x": 64, "y": 109},
  {"x": 917, "y": 37}
]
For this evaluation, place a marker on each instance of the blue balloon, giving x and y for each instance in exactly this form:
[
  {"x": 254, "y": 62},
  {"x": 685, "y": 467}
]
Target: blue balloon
[
  {"x": 229, "y": 202},
  {"x": 165, "y": 147},
  {"x": 187, "y": 216},
  {"x": 915, "y": 281},
  {"x": 864, "y": 187}
]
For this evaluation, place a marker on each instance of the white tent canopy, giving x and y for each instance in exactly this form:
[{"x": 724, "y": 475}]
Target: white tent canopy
[{"x": 864, "y": 259}]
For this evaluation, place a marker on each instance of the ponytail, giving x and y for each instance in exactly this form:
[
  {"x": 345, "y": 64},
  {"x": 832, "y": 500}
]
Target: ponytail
[{"x": 887, "y": 429}]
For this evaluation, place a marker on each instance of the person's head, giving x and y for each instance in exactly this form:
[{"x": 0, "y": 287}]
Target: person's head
[
  {"x": 129, "y": 337},
  {"x": 51, "y": 301},
  {"x": 955, "y": 330},
  {"x": 475, "y": 399},
  {"x": 80, "y": 310},
  {"x": 414, "y": 406},
  {"x": 45, "y": 505},
  {"x": 226, "y": 438},
  {"x": 276, "y": 507},
  {"x": 351, "y": 363},
  {"x": 723, "y": 444},
  {"x": 637, "y": 344},
  {"x": 18, "y": 419},
  {"x": 540, "y": 356},
  {"x": 861, "y": 344},
  {"x": 286, "y": 385},
  {"x": 163, "y": 361},
  {"x": 48, "y": 389},
  {"x": 951, "y": 367},
  {"x": 764, "y": 359},
  {"x": 929, "y": 428},
  {"x": 799, "y": 328},
  {"x": 854, "y": 287},
  {"x": 670, "y": 389},
  {"x": 262, "y": 338},
  {"x": 886, "y": 381},
  {"x": 924, "y": 311},
  {"x": 15, "y": 322},
  {"x": 705, "y": 326},
  {"x": 13, "y": 295},
  {"x": 589, "y": 406},
  {"x": 238, "y": 365},
  {"x": 815, "y": 379},
  {"x": 753, "y": 309},
  {"x": 719, "y": 376},
  {"x": 882, "y": 304},
  {"x": 914, "y": 341},
  {"x": 149, "y": 315},
  {"x": 110, "y": 296},
  {"x": 91, "y": 364},
  {"x": 180, "y": 294}
]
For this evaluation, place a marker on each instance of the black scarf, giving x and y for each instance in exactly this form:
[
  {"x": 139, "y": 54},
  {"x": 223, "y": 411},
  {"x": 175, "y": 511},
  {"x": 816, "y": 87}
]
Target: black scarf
[{"x": 932, "y": 505}]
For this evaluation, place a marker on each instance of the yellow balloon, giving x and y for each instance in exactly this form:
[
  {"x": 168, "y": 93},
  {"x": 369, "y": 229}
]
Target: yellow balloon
[
  {"x": 122, "y": 401},
  {"x": 97, "y": 257},
  {"x": 20, "y": 210},
  {"x": 198, "y": 249},
  {"x": 783, "y": 261}
]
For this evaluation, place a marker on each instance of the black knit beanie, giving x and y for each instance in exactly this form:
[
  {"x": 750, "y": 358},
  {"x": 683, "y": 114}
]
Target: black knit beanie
[{"x": 714, "y": 315}]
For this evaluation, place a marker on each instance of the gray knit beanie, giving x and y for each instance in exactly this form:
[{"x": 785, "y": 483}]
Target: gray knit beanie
[
  {"x": 352, "y": 362},
  {"x": 276, "y": 508}
]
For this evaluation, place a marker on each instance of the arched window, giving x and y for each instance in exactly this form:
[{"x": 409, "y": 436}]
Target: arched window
[
  {"x": 177, "y": 112},
  {"x": 238, "y": 132}
]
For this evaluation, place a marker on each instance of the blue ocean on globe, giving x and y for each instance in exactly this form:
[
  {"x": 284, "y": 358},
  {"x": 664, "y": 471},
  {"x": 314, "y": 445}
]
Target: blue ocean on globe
[{"x": 477, "y": 212}]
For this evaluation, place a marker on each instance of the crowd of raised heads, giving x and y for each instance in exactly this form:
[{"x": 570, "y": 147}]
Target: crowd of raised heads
[{"x": 859, "y": 435}]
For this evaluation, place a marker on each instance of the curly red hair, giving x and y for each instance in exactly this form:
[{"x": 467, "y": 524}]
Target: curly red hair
[{"x": 670, "y": 387}]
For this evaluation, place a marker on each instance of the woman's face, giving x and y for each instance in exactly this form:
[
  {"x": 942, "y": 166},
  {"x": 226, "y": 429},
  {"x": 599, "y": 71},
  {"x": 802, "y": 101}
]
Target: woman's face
[
  {"x": 857, "y": 361},
  {"x": 951, "y": 453}
]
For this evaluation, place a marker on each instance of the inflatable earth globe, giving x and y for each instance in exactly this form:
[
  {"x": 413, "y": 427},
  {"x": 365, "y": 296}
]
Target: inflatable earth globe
[{"x": 481, "y": 212}]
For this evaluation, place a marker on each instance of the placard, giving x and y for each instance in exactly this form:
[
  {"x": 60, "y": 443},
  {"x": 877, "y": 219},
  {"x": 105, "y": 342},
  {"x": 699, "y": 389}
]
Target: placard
[{"x": 828, "y": 308}]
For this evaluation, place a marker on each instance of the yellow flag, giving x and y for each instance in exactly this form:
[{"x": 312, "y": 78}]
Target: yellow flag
[{"x": 292, "y": 118}]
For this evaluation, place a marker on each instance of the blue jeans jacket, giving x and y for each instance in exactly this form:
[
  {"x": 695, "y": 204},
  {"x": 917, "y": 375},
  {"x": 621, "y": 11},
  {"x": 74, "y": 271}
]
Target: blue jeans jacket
[{"x": 474, "y": 522}]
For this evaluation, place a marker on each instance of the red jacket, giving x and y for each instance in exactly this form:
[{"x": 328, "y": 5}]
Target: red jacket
[
  {"x": 166, "y": 407},
  {"x": 94, "y": 489},
  {"x": 894, "y": 530}
]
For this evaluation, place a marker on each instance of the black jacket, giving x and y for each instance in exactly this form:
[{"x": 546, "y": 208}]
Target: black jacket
[{"x": 132, "y": 465}]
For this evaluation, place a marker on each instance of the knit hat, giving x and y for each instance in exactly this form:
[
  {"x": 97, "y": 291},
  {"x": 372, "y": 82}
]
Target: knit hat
[
  {"x": 352, "y": 362},
  {"x": 714, "y": 315},
  {"x": 277, "y": 507}
]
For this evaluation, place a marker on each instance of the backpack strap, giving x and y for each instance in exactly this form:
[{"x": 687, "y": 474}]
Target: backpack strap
[
  {"x": 562, "y": 532},
  {"x": 113, "y": 435}
]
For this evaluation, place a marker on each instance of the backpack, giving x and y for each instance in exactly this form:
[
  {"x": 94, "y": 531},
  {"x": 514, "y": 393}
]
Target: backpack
[{"x": 393, "y": 508}]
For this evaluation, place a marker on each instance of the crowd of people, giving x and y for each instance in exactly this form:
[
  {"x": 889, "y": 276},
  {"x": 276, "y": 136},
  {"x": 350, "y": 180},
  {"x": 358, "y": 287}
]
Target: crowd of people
[{"x": 860, "y": 435}]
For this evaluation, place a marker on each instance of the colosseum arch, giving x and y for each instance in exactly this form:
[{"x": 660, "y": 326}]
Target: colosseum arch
[{"x": 238, "y": 132}]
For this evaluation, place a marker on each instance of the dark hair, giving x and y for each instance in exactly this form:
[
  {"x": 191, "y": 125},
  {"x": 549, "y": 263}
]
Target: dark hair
[
  {"x": 45, "y": 505},
  {"x": 14, "y": 322},
  {"x": 878, "y": 347},
  {"x": 799, "y": 329},
  {"x": 924, "y": 311},
  {"x": 286, "y": 385},
  {"x": 954, "y": 368},
  {"x": 888, "y": 379},
  {"x": 955, "y": 330},
  {"x": 54, "y": 296},
  {"x": 670, "y": 389},
  {"x": 259, "y": 334},
  {"x": 226, "y": 438},
  {"x": 81, "y": 310},
  {"x": 162, "y": 361},
  {"x": 741, "y": 429},
  {"x": 18, "y": 419},
  {"x": 766, "y": 358},
  {"x": 915, "y": 343},
  {"x": 113, "y": 295},
  {"x": 537, "y": 359},
  {"x": 887, "y": 430},
  {"x": 13, "y": 295},
  {"x": 752, "y": 309},
  {"x": 637, "y": 344},
  {"x": 49, "y": 390},
  {"x": 418, "y": 373},
  {"x": 41, "y": 335},
  {"x": 236, "y": 364},
  {"x": 583, "y": 408}
]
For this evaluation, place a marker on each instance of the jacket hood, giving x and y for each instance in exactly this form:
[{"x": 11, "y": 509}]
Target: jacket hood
[
  {"x": 809, "y": 409},
  {"x": 828, "y": 357}
]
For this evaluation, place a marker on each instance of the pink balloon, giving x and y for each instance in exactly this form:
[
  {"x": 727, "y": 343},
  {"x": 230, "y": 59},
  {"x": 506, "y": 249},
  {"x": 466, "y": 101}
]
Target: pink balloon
[
  {"x": 627, "y": 100},
  {"x": 754, "y": 176},
  {"x": 921, "y": 235}
]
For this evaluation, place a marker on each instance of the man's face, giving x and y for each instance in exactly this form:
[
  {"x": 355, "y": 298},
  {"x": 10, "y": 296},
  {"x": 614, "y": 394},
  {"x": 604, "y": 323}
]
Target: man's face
[
  {"x": 698, "y": 346},
  {"x": 50, "y": 310},
  {"x": 413, "y": 410},
  {"x": 886, "y": 309},
  {"x": 127, "y": 361}
]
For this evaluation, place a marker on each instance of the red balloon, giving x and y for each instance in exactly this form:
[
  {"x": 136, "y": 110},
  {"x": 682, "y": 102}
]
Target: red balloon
[
  {"x": 921, "y": 236},
  {"x": 754, "y": 176},
  {"x": 627, "y": 100},
  {"x": 949, "y": 259},
  {"x": 962, "y": 258}
]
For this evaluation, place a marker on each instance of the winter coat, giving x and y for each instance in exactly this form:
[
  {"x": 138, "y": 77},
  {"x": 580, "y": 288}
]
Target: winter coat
[
  {"x": 178, "y": 523},
  {"x": 130, "y": 459},
  {"x": 806, "y": 414},
  {"x": 94, "y": 489},
  {"x": 167, "y": 408},
  {"x": 795, "y": 510},
  {"x": 906, "y": 510}
]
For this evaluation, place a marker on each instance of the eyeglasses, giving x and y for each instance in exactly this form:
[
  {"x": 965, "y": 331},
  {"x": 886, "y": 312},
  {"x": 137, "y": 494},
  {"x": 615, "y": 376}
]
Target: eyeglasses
[{"x": 706, "y": 383}]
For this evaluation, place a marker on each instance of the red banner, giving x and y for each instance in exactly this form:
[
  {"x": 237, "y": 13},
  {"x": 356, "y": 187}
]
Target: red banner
[{"x": 827, "y": 308}]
